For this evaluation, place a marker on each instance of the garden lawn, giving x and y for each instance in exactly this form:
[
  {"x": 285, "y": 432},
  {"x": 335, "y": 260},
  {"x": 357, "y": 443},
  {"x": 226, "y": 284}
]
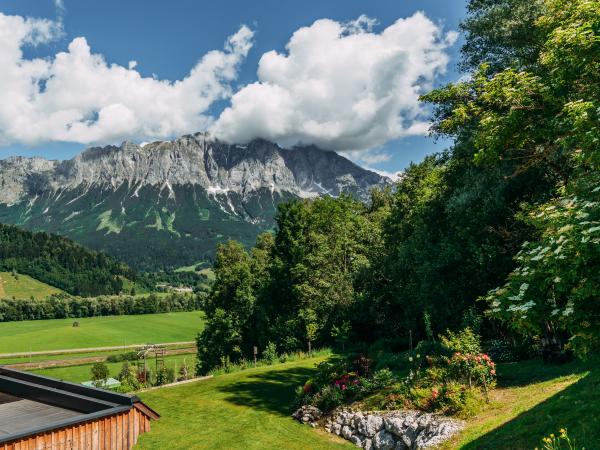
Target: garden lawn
[
  {"x": 58, "y": 334},
  {"x": 243, "y": 410},
  {"x": 83, "y": 372},
  {"x": 533, "y": 400},
  {"x": 24, "y": 287}
]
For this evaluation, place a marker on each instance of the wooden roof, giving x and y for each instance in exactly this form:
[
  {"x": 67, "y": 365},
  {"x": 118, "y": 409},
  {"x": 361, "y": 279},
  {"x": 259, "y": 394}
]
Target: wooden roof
[{"x": 31, "y": 404}]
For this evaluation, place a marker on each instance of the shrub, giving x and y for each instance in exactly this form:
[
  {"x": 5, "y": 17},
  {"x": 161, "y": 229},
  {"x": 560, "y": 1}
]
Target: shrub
[
  {"x": 465, "y": 341},
  {"x": 329, "y": 398},
  {"x": 128, "y": 378},
  {"x": 270, "y": 353},
  {"x": 99, "y": 374},
  {"x": 165, "y": 376}
]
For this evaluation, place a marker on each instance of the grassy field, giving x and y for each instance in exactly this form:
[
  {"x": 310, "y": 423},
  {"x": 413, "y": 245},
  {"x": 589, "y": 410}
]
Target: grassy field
[
  {"x": 533, "y": 400},
  {"x": 82, "y": 372},
  {"x": 23, "y": 286},
  {"x": 37, "y": 335},
  {"x": 244, "y": 410}
]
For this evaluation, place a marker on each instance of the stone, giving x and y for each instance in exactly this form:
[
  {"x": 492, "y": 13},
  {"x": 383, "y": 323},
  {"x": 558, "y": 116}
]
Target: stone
[
  {"x": 357, "y": 418},
  {"x": 394, "y": 425},
  {"x": 367, "y": 444},
  {"x": 401, "y": 446},
  {"x": 384, "y": 441},
  {"x": 370, "y": 425},
  {"x": 347, "y": 432},
  {"x": 356, "y": 440},
  {"x": 307, "y": 413},
  {"x": 337, "y": 428}
]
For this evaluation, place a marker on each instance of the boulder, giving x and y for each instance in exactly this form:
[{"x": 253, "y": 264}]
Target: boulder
[
  {"x": 370, "y": 425},
  {"x": 357, "y": 440},
  {"x": 336, "y": 428},
  {"x": 394, "y": 425},
  {"x": 384, "y": 441},
  {"x": 347, "y": 432},
  {"x": 367, "y": 444}
]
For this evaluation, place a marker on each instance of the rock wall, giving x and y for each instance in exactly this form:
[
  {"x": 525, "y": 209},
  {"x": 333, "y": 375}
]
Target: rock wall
[{"x": 377, "y": 430}]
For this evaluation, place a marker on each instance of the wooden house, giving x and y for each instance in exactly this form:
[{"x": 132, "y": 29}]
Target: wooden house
[{"x": 38, "y": 412}]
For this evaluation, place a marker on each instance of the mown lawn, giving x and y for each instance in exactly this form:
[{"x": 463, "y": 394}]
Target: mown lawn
[
  {"x": 57, "y": 334},
  {"x": 250, "y": 410},
  {"x": 244, "y": 410},
  {"x": 23, "y": 286},
  {"x": 533, "y": 400}
]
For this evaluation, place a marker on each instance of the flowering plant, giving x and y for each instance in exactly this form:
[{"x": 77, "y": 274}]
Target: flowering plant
[{"x": 475, "y": 369}]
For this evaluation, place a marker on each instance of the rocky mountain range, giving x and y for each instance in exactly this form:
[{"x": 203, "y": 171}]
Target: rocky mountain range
[{"x": 168, "y": 203}]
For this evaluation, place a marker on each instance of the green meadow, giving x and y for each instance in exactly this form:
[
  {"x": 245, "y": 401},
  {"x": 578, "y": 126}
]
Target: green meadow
[
  {"x": 23, "y": 286},
  {"x": 58, "y": 334}
]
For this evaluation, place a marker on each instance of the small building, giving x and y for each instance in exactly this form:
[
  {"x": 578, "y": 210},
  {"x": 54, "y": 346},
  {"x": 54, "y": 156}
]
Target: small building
[{"x": 38, "y": 412}]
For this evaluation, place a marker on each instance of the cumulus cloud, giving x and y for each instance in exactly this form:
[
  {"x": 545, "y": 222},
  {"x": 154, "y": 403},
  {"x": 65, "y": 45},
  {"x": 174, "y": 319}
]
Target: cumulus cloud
[
  {"x": 341, "y": 86},
  {"x": 77, "y": 96}
]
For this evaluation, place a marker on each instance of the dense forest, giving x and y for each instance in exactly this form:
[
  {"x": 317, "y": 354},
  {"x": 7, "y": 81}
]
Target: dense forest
[
  {"x": 500, "y": 233},
  {"x": 61, "y": 262}
]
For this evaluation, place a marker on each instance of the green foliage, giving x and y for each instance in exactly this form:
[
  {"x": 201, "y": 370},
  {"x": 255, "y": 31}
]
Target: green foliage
[
  {"x": 464, "y": 341},
  {"x": 562, "y": 441},
  {"x": 99, "y": 374},
  {"x": 270, "y": 353},
  {"x": 165, "y": 375},
  {"x": 60, "y": 262},
  {"x": 63, "y": 306},
  {"x": 128, "y": 377}
]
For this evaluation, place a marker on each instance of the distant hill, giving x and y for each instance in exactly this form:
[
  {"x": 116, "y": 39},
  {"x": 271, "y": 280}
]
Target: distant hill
[
  {"x": 168, "y": 204},
  {"x": 60, "y": 262},
  {"x": 17, "y": 285}
]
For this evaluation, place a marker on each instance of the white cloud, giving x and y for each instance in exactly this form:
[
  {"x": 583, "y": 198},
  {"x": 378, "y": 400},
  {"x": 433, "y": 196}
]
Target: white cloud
[
  {"x": 341, "y": 86},
  {"x": 77, "y": 96}
]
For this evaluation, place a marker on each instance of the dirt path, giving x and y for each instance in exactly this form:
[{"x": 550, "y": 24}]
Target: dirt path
[
  {"x": 80, "y": 361},
  {"x": 88, "y": 350}
]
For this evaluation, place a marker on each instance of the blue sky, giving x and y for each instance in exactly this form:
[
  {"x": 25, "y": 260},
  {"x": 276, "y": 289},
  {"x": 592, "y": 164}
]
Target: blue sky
[{"x": 166, "y": 39}]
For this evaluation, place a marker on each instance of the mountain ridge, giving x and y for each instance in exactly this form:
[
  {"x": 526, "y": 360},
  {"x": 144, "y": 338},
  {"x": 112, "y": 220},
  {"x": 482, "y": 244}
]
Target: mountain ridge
[{"x": 192, "y": 189}]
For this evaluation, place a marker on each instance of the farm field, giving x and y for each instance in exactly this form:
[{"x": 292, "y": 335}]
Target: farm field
[
  {"x": 23, "y": 286},
  {"x": 251, "y": 409},
  {"x": 58, "y": 334}
]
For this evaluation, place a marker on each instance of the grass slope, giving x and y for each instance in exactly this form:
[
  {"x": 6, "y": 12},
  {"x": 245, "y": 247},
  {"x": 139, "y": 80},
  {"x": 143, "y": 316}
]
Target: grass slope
[
  {"x": 57, "y": 334},
  {"x": 244, "y": 410},
  {"x": 533, "y": 400},
  {"x": 23, "y": 286},
  {"x": 250, "y": 410}
]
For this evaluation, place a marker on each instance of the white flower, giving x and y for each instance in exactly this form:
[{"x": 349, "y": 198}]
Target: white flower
[{"x": 557, "y": 279}]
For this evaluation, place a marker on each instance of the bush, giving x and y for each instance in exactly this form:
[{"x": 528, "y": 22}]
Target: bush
[
  {"x": 165, "y": 376},
  {"x": 99, "y": 374},
  {"x": 270, "y": 353},
  {"x": 329, "y": 398},
  {"x": 465, "y": 341}
]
